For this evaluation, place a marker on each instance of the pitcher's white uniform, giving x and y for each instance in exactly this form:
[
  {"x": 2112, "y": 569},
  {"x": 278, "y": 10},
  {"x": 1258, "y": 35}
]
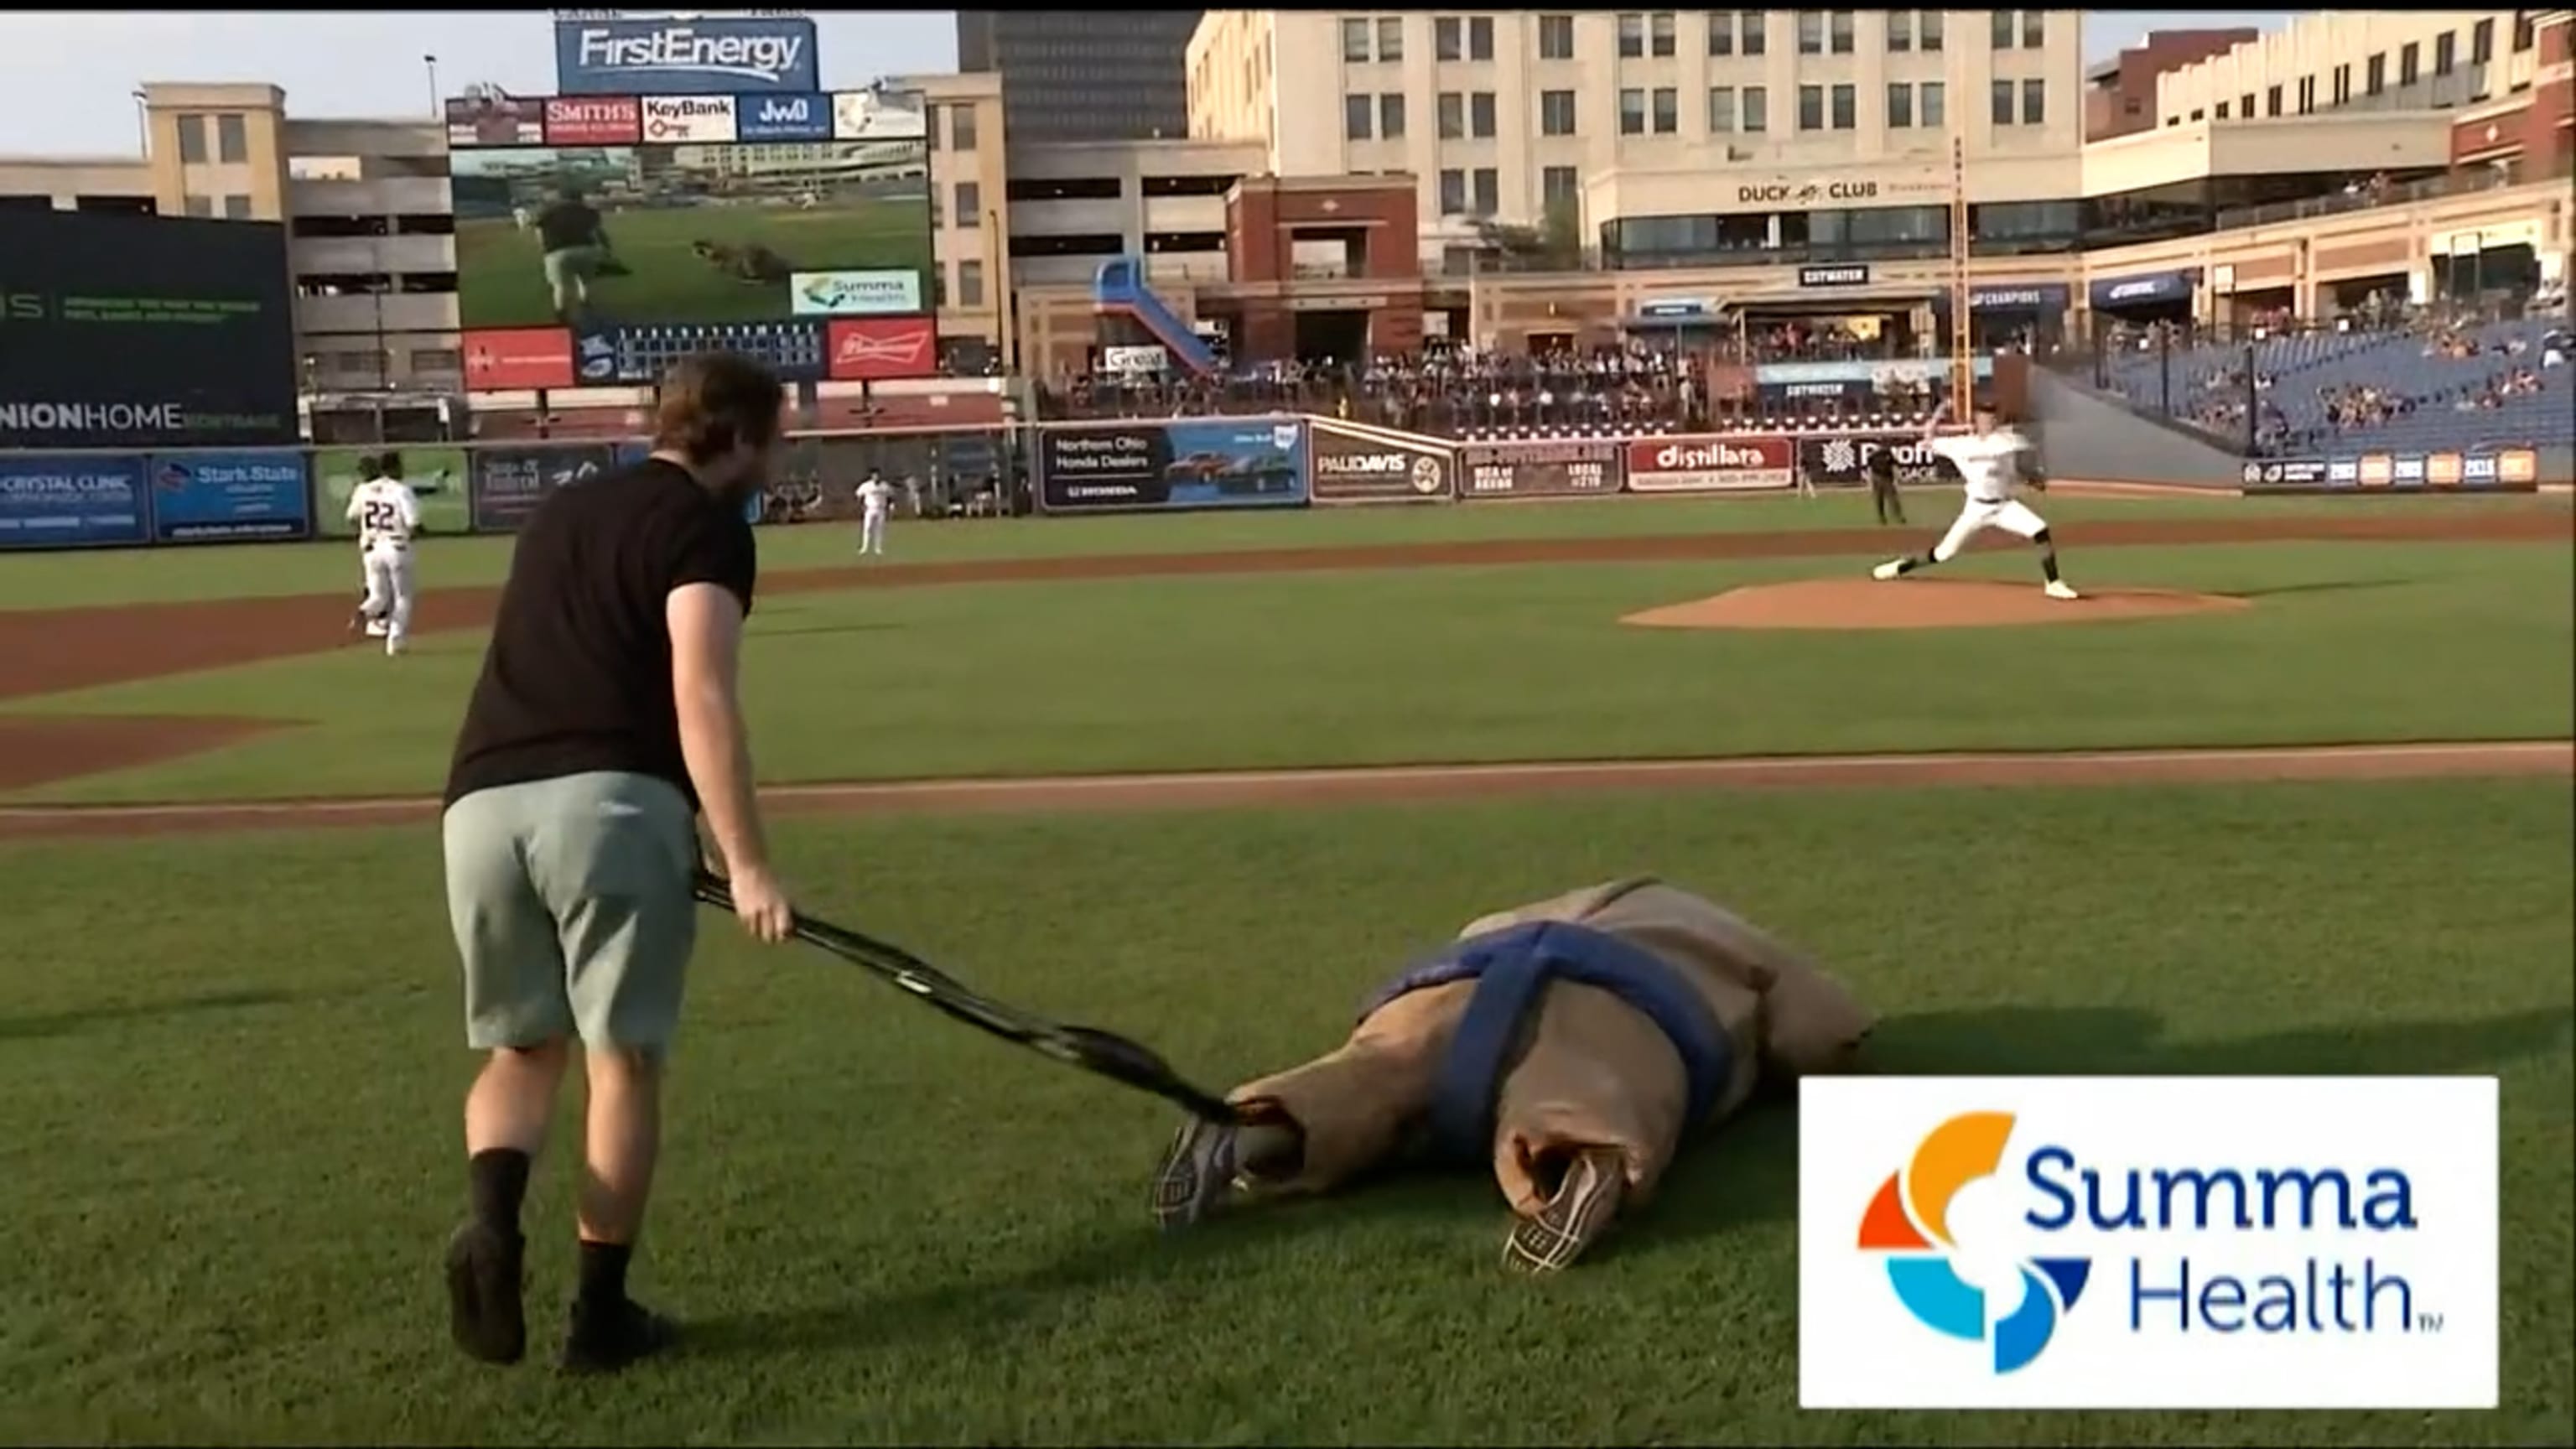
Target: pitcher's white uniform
[
  {"x": 386, "y": 513},
  {"x": 1988, "y": 465},
  {"x": 876, "y": 499}
]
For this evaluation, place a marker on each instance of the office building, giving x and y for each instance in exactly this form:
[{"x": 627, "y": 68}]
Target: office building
[{"x": 1084, "y": 75}]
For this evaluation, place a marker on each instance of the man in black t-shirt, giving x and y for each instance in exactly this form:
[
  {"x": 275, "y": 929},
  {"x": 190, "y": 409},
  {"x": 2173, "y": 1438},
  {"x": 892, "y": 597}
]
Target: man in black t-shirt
[
  {"x": 575, "y": 242},
  {"x": 604, "y": 720},
  {"x": 1882, "y": 484}
]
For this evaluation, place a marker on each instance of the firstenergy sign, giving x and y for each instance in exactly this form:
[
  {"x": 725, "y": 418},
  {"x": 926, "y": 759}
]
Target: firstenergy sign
[{"x": 709, "y": 55}]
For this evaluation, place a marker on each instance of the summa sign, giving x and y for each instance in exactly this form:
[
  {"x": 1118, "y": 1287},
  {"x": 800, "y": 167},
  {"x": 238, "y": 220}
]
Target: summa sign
[{"x": 701, "y": 55}]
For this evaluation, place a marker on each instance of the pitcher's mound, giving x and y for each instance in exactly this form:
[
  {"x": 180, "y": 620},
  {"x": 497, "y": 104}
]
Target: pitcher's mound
[{"x": 1866, "y": 603}]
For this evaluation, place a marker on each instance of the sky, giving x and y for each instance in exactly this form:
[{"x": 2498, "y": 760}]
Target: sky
[{"x": 69, "y": 76}]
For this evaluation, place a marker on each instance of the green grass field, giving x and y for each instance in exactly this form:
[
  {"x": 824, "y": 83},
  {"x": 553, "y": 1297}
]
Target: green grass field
[
  {"x": 501, "y": 277},
  {"x": 234, "y": 1152}
]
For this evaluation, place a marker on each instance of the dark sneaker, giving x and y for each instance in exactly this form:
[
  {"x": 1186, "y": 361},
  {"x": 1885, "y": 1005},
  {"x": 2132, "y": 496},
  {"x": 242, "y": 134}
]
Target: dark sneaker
[
  {"x": 1197, "y": 1174},
  {"x": 1585, "y": 1201},
  {"x": 486, "y": 1312},
  {"x": 606, "y": 1337}
]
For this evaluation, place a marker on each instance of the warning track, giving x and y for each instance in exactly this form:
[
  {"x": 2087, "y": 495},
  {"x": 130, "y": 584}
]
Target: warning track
[{"x": 1420, "y": 782}]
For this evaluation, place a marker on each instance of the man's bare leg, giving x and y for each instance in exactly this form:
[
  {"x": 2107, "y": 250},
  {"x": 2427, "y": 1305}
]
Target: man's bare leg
[
  {"x": 506, "y": 1115},
  {"x": 622, "y": 1139}
]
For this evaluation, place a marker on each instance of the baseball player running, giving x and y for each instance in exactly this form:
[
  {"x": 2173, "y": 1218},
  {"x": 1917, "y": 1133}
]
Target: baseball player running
[
  {"x": 876, "y": 500},
  {"x": 1989, "y": 458},
  {"x": 386, "y": 513}
]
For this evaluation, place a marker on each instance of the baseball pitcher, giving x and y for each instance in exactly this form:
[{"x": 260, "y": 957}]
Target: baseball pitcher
[
  {"x": 1991, "y": 458},
  {"x": 387, "y": 514},
  {"x": 1575, "y": 1044}
]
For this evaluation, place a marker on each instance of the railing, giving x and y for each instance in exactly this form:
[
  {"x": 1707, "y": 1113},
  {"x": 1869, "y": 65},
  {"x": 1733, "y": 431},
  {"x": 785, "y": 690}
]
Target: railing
[{"x": 2431, "y": 188}]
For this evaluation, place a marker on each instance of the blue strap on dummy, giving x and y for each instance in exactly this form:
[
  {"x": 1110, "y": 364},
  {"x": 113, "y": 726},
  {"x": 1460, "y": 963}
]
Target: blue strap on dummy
[{"x": 1512, "y": 968}]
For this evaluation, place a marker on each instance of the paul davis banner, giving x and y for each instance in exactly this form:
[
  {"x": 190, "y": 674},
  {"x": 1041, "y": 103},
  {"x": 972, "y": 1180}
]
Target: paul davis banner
[
  {"x": 1355, "y": 467},
  {"x": 1188, "y": 463}
]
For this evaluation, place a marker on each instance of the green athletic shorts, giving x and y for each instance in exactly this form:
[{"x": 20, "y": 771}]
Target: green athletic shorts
[{"x": 571, "y": 906}]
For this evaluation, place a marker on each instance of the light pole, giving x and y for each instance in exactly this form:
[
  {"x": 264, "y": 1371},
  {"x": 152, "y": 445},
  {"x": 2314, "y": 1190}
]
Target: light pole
[
  {"x": 142, "y": 125},
  {"x": 430, "y": 64}
]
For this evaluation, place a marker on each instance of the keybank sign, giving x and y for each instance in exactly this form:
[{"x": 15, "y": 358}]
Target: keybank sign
[{"x": 713, "y": 55}]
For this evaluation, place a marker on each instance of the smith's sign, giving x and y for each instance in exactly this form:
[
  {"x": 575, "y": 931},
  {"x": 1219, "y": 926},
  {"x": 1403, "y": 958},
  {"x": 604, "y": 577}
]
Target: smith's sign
[{"x": 703, "y": 56}]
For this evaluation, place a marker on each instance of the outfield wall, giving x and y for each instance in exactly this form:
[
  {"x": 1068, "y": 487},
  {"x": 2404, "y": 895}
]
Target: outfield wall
[{"x": 180, "y": 497}]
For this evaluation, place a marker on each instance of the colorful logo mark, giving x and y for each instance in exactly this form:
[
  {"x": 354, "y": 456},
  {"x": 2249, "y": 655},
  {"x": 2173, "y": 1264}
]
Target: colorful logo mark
[{"x": 1909, "y": 1221}]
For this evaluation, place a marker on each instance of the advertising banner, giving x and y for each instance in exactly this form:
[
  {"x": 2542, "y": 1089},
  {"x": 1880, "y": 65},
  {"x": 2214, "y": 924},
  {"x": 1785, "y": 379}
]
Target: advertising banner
[
  {"x": 2502, "y": 470},
  {"x": 695, "y": 55},
  {"x": 783, "y": 118},
  {"x": 1569, "y": 468},
  {"x": 436, "y": 476},
  {"x": 495, "y": 120},
  {"x": 2286, "y": 473},
  {"x": 688, "y": 120},
  {"x": 499, "y": 359},
  {"x": 1355, "y": 467},
  {"x": 1843, "y": 462},
  {"x": 1187, "y": 463},
  {"x": 229, "y": 497},
  {"x": 879, "y": 116},
  {"x": 881, "y": 349},
  {"x": 71, "y": 501},
  {"x": 594, "y": 121},
  {"x": 638, "y": 356},
  {"x": 879, "y": 293},
  {"x": 131, "y": 333},
  {"x": 1706, "y": 464},
  {"x": 509, "y": 483}
]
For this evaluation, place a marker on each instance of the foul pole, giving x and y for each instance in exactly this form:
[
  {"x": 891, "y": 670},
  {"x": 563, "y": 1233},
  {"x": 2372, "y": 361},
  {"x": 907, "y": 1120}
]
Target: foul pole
[{"x": 1963, "y": 367}]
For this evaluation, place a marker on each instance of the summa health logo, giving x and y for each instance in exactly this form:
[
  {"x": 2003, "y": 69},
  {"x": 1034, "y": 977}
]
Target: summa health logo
[
  {"x": 2146, "y": 1242},
  {"x": 1908, "y": 1222}
]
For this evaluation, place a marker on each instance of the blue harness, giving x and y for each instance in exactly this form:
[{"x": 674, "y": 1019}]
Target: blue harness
[{"x": 1512, "y": 968}]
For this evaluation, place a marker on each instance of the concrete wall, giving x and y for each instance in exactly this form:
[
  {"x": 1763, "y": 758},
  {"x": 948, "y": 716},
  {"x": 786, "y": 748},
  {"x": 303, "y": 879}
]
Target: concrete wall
[{"x": 2086, "y": 436}]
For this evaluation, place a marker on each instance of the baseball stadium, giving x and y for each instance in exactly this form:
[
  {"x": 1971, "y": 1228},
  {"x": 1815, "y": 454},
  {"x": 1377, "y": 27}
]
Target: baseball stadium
[{"x": 2084, "y": 737}]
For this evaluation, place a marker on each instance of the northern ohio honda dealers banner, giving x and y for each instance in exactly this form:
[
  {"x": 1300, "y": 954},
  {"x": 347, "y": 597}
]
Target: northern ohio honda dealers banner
[{"x": 1709, "y": 464}]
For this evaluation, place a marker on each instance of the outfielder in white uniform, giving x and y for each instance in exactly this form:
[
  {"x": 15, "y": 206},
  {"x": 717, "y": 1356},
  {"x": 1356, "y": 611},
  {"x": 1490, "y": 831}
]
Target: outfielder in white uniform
[
  {"x": 1990, "y": 459},
  {"x": 387, "y": 513},
  {"x": 876, "y": 500}
]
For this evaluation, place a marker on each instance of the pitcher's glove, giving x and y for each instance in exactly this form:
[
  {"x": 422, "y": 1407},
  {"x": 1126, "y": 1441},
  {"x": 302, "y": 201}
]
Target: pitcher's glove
[{"x": 2033, "y": 472}]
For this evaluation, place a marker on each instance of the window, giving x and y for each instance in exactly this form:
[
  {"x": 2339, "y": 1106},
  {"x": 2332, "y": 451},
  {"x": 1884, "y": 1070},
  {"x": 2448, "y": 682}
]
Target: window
[
  {"x": 1556, "y": 37},
  {"x": 1754, "y": 108},
  {"x": 938, "y": 275},
  {"x": 961, "y": 128},
  {"x": 199, "y": 205},
  {"x": 1846, "y": 106},
  {"x": 1355, "y": 40},
  {"x": 2198, "y": 113},
  {"x": 1632, "y": 36},
  {"x": 1811, "y": 32},
  {"x": 237, "y": 208},
  {"x": 232, "y": 140},
  {"x": 1721, "y": 110},
  {"x": 2000, "y": 107},
  {"x": 2307, "y": 94},
  {"x": 1757, "y": 35},
  {"x": 2034, "y": 29},
  {"x": 2446, "y": 52},
  {"x": 1452, "y": 110},
  {"x": 2375, "y": 75},
  {"x": 1900, "y": 30},
  {"x": 2003, "y": 29},
  {"x": 2245, "y": 105},
  {"x": 930, "y": 127},
  {"x": 938, "y": 212},
  {"x": 1356, "y": 111},
  {"x": 1721, "y": 32},
  {"x": 1560, "y": 186},
  {"x": 1931, "y": 106},
  {"x": 1489, "y": 193},
  {"x": 2342, "y": 84},
  {"x": 1556, "y": 113},
  {"x": 1390, "y": 37},
  {"x": 2225, "y": 109},
  {"x": 2410, "y": 63},
  {"x": 1659, "y": 33},
  {"x": 970, "y": 205},
  {"x": 1928, "y": 29},
  {"x": 2482, "y": 42},
  {"x": 1811, "y": 108},
  {"x": 1447, "y": 43},
  {"x": 1900, "y": 105},
  {"x": 1390, "y": 116},
  {"x": 1480, "y": 37},
  {"x": 1842, "y": 32},
  {"x": 1480, "y": 115},
  {"x": 2272, "y": 101},
  {"x": 1453, "y": 192},
  {"x": 192, "y": 145},
  {"x": 2034, "y": 102},
  {"x": 2524, "y": 31},
  {"x": 1632, "y": 112},
  {"x": 1668, "y": 110},
  {"x": 970, "y": 284}
]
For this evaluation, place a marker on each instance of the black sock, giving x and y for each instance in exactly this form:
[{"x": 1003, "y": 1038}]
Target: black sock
[
  {"x": 2048, "y": 563},
  {"x": 497, "y": 1179},
  {"x": 1912, "y": 562},
  {"x": 603, "y": 1271}
]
